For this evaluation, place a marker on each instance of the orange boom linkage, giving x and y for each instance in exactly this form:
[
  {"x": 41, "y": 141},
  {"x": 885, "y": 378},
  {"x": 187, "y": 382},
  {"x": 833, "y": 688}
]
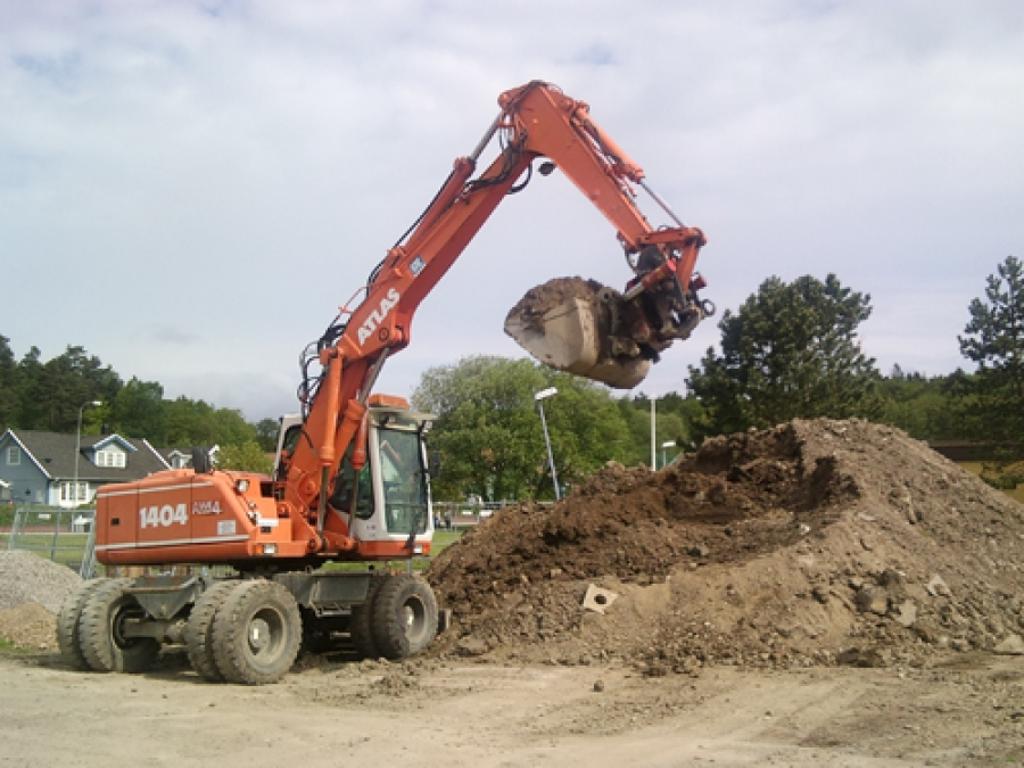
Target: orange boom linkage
[{"x": 351, "y": 481}]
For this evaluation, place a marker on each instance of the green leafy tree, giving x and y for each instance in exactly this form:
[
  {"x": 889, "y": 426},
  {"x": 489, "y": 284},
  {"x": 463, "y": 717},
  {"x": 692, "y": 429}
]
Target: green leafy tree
[
  {"x": 674, "y": 416},
  {"x": 925, "y": 407},
  {"x": 29, "y": 386},
  {"x": 266, "y": 434},
  {"x": 994, "y": 340},
  {"x": 54, "y": 391},
  {"x": 489, "y": 434},
  {"x": 248, "y": 456},
  {"x": 196, "y": 422},
  {"x": 8, "y": 384},
  {"x": 790, "y": 351},
  {"x": 137, "y": 410}
]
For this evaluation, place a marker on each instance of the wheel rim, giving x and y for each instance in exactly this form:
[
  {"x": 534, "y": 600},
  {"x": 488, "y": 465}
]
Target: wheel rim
[
  {"x": 414, "y": 618},
  {"x": 119, "y": 616},
  {"x": 265, "y": 635}
]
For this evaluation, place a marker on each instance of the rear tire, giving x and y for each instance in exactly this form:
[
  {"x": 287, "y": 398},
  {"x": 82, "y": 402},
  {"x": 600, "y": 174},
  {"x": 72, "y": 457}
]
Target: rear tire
[
  {"x": 199, "y": 630},
  {"x": 67, "y": 625},
  {"x": 100, "y": 631},
  {"x": 404, "y": 617},
  {"x": 256, "y": 633}
]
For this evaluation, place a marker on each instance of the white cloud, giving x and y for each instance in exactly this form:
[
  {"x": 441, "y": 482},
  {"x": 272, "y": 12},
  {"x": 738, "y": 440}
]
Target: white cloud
[{"x": 229, "y": 172}]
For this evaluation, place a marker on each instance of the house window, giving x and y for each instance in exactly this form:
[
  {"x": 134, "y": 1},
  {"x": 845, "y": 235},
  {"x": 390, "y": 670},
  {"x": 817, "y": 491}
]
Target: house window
[
  {"x": 13, "y": 456},
  {"x": 110, "y": 459},
  {"x": 68, "y": 494}
]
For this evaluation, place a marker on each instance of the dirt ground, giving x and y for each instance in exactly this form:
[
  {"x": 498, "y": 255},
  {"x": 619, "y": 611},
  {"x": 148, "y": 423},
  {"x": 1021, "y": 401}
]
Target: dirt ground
[
  {"x": 433, "y": 713},
  {"x": 821, "y": 593}
]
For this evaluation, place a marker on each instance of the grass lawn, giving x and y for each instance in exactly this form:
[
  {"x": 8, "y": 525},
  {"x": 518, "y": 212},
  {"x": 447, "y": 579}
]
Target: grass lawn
[
  {"x": 975, "y": 468},
  {"x": 70, "y": 546}
]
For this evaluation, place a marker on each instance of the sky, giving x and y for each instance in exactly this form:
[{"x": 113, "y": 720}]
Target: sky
[{"x": 189, "y": 190}]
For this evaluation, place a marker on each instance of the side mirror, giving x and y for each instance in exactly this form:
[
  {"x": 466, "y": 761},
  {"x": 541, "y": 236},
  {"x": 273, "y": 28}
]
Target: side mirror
[{"x": 434, "y": 463}]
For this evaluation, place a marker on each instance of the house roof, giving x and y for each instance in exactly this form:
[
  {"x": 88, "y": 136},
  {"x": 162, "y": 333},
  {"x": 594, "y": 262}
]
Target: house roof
[
  {"x": 102, "y": 441},
  {"x": 54, "y": 454}
]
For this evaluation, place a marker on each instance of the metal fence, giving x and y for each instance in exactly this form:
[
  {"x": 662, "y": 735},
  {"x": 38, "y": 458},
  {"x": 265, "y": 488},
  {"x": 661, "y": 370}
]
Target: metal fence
[
  {"x": 454, "y": 514},
  {"x": 66, "y": 535},
  {"x": 62, "y": 535}
]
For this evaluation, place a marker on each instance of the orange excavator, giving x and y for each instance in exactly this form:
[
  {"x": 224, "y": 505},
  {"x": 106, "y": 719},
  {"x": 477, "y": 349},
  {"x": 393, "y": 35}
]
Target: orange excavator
[{"x": 351, "y": 481}]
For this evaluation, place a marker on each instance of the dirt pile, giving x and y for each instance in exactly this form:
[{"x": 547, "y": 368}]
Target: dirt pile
[
  {"x": 31, "y": 592},
  {"x": 814, "y": 542}
]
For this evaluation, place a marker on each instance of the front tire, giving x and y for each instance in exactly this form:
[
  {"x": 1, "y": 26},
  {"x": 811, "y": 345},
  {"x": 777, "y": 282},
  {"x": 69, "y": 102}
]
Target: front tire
[
  {"x": 68, "y": 638},
  {"x": 404, "y": 617},
  {"x": 256, "y": 633},
  {"x": 101, "y": 631},
  {"x": 199, "y": 630},
  {"x": 361, "y": 623}
]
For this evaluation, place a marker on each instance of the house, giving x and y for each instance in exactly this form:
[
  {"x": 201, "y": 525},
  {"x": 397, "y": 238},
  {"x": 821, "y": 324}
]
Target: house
[{"x": 39, "y": 467}]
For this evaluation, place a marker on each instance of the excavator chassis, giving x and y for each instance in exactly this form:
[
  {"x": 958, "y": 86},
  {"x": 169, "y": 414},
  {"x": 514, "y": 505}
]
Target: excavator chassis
[{"x": 247, "y": 629}]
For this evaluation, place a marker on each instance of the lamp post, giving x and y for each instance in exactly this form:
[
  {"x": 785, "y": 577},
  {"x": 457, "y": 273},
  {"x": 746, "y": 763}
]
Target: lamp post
[
  {"x": 654, "y": 434},
  {"x": 78, "y": 448},
  {"x": 540, "y": 397}
]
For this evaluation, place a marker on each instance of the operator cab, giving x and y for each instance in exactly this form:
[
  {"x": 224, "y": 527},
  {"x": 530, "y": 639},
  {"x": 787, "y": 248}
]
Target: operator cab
[{"x": 388, "y": 499}]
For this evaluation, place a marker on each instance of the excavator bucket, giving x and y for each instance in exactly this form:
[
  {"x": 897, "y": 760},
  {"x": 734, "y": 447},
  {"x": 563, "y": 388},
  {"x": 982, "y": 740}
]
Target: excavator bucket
[{"x": 575, "y": 325}]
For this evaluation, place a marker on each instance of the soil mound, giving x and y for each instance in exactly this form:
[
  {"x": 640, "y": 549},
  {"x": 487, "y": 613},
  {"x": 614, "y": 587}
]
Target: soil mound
[{"x": 814, "y": 542}]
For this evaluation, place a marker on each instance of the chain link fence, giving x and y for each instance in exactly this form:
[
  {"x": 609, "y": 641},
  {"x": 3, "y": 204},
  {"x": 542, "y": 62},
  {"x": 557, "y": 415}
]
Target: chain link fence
[
  {"x": 62, "y": 535},
  {"x": 465, "y": 514},
  {"x": 66, "y": 536}
]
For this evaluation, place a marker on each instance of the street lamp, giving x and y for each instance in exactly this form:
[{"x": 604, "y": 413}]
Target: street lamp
[
  {"x": 540, "y": 397},
  {"x": 78, "y": 448}
]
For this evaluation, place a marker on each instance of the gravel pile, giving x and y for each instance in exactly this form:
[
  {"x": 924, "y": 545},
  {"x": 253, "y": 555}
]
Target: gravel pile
[
  {"x": 28, "y": 578},
  {"x": 29, "y": 625}
]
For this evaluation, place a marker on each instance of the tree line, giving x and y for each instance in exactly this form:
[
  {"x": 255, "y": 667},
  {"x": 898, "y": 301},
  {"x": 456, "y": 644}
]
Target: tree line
[
  {"x": 49, "y": 395},
  {"x": 790, "y": 350}
]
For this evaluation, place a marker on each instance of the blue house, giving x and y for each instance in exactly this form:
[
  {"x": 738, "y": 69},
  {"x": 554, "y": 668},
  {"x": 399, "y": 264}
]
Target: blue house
[{"x": 39, "y": 467}]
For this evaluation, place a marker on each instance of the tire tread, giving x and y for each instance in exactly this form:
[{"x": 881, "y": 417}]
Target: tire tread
[{"x": 199, "y": 631}]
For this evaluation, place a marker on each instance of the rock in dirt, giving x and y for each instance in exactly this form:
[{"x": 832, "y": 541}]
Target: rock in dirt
[
  {"x": 1010, "y": 646},
  {"x": 781, "y": 514},
  {"x": 937, "y": 587},
  {"x": 905, "y": 613},
  {"x": 872, "y": 599}
]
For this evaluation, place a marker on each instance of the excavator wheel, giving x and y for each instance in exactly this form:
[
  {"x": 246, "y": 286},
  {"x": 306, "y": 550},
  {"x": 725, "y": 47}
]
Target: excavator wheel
[
  {"x": 199, "y": 630},
  {"x": 361, "y": 625},
  {"x": 101, "y": 630},
  {"x": 256, "y": 633},
  {"x": 404, "y": 616},
  {"x": 67, "y": 625}
]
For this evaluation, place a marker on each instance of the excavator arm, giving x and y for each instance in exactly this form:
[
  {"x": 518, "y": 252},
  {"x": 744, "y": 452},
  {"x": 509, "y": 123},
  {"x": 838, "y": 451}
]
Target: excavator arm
[{"x": 610, "y": 332}]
